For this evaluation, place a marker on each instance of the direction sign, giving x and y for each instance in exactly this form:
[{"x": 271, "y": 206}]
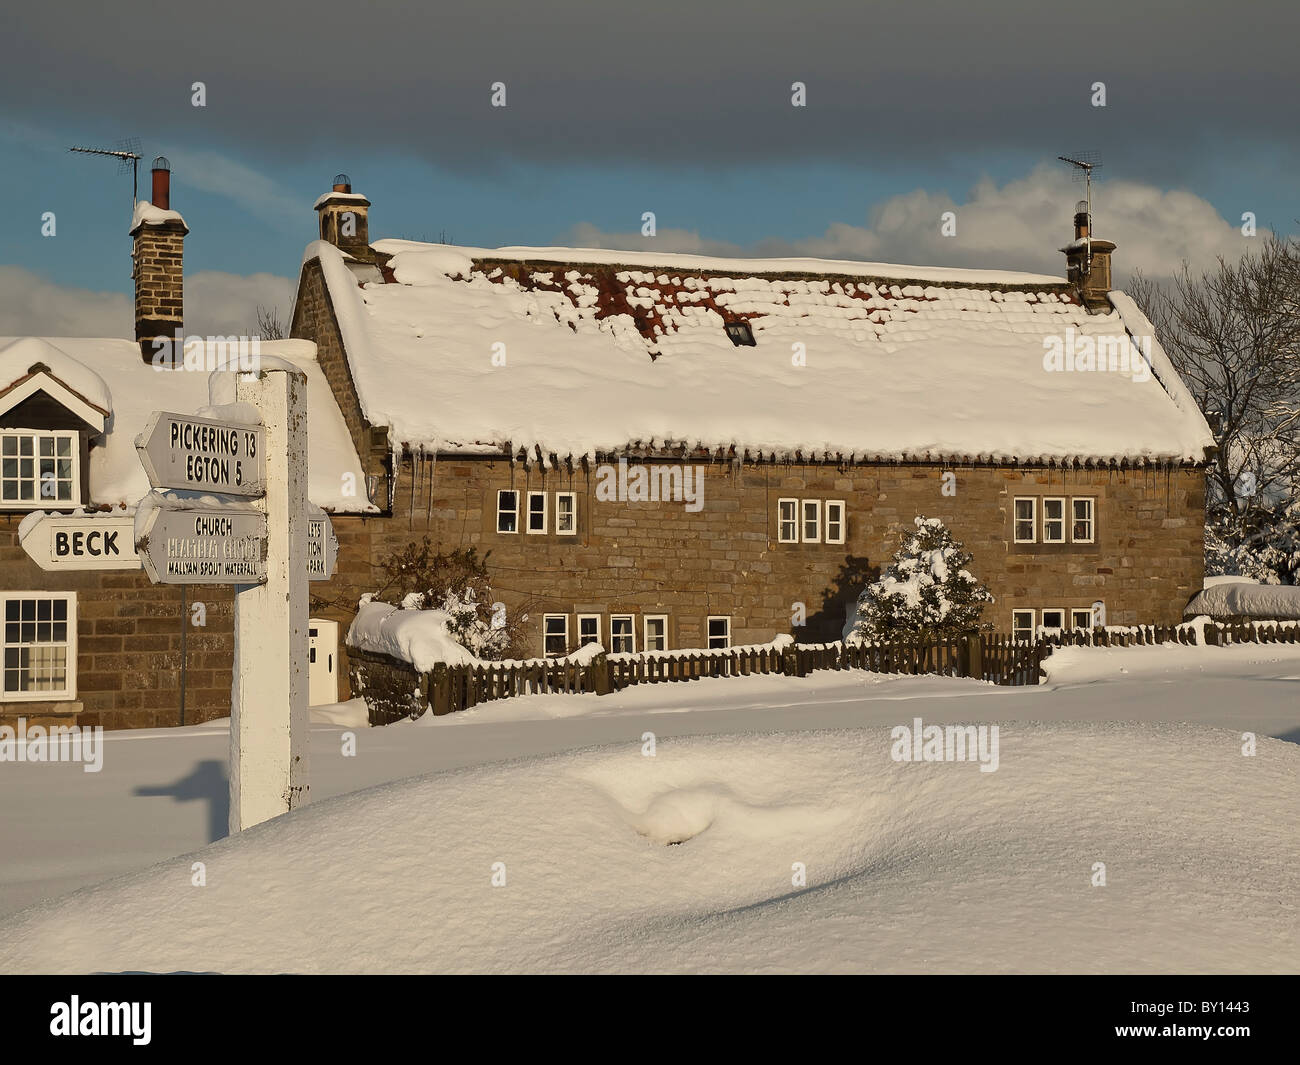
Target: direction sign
[
  {"x": 81, "y": 541},
  {"x": 195, "y": 543},
  {"x": 322, "y": 547},
  {"x": 199, "y": 454}
]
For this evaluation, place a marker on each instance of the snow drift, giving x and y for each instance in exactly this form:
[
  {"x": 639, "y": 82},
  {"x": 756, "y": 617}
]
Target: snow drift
[{"x": 689, "y": 861}]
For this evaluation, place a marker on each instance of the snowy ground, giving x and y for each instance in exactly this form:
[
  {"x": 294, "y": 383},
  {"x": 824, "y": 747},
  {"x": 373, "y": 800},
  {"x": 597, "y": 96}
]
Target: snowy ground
[{"x": 909, "y": 867}]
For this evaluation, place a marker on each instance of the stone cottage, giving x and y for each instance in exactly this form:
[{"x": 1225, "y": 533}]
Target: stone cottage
[{"x": 663, "y": 451}]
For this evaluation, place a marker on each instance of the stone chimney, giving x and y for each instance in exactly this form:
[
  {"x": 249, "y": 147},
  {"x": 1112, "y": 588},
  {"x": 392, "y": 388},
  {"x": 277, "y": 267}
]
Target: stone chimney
[
  {"x": 159, "y": 234},
  {"x": 1087, "y": 260},
  {"x": 344, "y": 220}
]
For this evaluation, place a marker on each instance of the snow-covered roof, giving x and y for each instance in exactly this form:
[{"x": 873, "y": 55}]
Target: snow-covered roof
[
  {"x": 111, "y": 374},
  {"x": 579, "y": 352}
]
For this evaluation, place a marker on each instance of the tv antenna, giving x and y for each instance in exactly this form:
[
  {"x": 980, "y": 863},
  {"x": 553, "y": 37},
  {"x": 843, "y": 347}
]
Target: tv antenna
[
  {"x": 1084, "y": 163},
  {"x": 127, "y": 153}
]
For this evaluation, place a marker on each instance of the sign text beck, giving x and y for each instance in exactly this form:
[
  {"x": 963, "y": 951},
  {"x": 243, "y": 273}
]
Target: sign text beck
[{"x": 75, "y": 541}]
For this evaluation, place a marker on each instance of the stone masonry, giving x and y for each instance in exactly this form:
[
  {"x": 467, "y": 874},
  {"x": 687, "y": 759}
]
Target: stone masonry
[{"x": 658, "y": 558}]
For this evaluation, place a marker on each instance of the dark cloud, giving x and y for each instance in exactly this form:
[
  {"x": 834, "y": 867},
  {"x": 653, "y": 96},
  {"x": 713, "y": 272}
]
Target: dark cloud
[{"x": 670, "y": 83}]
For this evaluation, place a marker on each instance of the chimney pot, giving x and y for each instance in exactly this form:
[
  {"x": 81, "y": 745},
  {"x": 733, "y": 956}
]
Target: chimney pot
[
  {"x": 162, "y": 183},
  {"x": 342, "y": 183},
  {"x": 1081, "y": 220}
]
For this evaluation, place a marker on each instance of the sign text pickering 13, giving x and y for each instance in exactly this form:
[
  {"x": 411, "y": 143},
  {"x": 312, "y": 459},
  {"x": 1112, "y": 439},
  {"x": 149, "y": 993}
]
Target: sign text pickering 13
[{"x": 201, "y": 455}]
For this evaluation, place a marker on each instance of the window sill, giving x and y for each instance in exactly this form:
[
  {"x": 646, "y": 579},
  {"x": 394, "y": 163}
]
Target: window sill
[{"x": 35, "y": 707}]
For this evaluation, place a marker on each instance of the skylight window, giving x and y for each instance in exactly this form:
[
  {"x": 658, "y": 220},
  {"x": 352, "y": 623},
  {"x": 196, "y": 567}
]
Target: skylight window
[{"x": 740, "y": 333}]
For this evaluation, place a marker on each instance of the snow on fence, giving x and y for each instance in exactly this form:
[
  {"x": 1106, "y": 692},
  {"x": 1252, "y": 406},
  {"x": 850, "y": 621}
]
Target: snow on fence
[{"x": 394, "y": 689}]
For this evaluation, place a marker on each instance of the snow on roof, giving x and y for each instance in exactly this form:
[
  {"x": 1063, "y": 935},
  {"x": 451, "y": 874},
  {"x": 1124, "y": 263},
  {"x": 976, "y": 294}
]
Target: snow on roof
[
  {"x": 578, "y": 352},
  {"x": 147, "y": 214},
  {"x": 710, "y": 264},
  {"x": 133, "y": 390},
  {"x": 19, "y": 355},
  {"x": 351, "y": 197}
]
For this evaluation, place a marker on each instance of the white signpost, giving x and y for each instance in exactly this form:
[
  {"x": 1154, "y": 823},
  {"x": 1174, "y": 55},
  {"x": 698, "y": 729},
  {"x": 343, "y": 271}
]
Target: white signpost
[
  {"x": 82, "y": 541},
  {"x": 269, "y": 743},
  {"x": 268, "y": 547}
]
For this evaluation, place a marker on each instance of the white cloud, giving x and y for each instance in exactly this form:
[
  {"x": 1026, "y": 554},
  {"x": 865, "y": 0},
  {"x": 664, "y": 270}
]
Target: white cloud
[
  {"x": 216, "y": 304},
  {"x": 1017, "y": 226},
  {"x": 220, "y": 175},
  {"x": 30, "y": 305}
]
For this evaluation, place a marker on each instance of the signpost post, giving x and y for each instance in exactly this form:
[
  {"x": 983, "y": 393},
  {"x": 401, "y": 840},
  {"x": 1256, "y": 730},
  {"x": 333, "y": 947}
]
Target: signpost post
[
  {"x": 245, "y": 520},
  {"x": 269, "y": 743}
]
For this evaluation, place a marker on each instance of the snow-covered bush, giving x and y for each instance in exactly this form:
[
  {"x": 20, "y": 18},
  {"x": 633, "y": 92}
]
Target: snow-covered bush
[
  {"x": 419, "y": 577},
  {"x": 926, "y": 592}
]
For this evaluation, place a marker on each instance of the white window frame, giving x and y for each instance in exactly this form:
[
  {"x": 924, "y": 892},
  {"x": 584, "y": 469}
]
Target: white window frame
[
  {"x": 630, "y": 635},
  {"x": 501, "y": 510},
  {"x": 781, "y": 521},
  {"x": 1016, "y": 519},
  {"x": 804, "y": 504},
  {"x": 528, "y": 513},
  {"x": 547, "y": 634},
  {"x": 1086, "y": 611},
  {"x": 1031, "y": 627},
  {"x": 41, "y": 502},
  {"x": 1065, "y": 511},
  {"x": 646, "y": 638},
  {"x": 1091, "y": 538},
  {"x": 588, "y": 617},
  {"x": 842, "y": 510},
  {"x": 69, "y": 690},
  {"x": 1042, "y": 619},
  {"x": 708, "y": 629},
  {"x": 573, "y": 513}
]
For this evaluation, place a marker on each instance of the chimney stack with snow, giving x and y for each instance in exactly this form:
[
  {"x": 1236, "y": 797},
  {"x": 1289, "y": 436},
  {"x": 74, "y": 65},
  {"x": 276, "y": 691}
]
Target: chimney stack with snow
[
  {"x": 1087, "y": 260},
  {"x": 344, "y": 220},
  {"x": 159, "y": 234}
]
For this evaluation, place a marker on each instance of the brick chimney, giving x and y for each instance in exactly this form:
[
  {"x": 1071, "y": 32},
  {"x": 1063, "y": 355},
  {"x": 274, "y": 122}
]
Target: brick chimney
[
  {"x": 159, "y": 234},
  {"x": 1087, "y": 260},
  {"x": 344, "y": 220}
]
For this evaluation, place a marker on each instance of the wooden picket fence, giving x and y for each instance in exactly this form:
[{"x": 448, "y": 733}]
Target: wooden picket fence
[{"x": 993, "y": 657}]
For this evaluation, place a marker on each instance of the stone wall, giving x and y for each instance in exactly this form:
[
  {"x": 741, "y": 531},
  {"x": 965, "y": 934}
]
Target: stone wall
[{"x": 647, "y": 557}]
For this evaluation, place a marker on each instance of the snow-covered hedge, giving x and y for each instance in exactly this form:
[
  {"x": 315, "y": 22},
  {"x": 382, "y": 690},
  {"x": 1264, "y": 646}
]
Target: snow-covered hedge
[{"x": 1240, "y": 598}]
